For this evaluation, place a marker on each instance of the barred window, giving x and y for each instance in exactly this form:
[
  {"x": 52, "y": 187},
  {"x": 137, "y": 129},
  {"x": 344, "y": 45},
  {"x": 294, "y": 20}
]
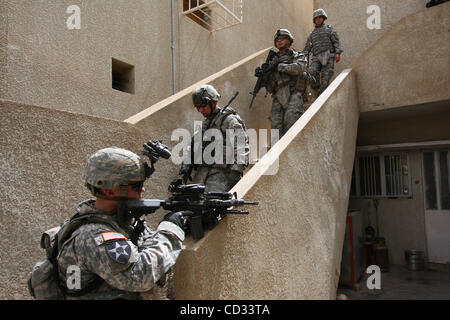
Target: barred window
[
  {"x": 381, "y": 175},
  {"x": 198, "y": 12},
  {"x": 214, "y": 15}
]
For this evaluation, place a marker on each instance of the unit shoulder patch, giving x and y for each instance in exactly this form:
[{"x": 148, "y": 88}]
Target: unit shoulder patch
[{"x": 119, "y": 251}]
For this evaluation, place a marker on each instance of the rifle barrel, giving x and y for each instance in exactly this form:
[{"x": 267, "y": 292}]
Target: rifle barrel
[{"x": 253, "y": 99}]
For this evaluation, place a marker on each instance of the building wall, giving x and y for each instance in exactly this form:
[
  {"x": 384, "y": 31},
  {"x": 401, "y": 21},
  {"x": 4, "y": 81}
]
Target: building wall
[
  {"x": 44, "y": 63},
  {"x": 401, "y": 221},
  {"x": 289, "y": 246},
  {"x": 428, "y": 124},
  {"x": 409, "y": 64},
  {"x": 201, "y": 53},
  {"x": 44, "y": 153},
  {"x": 51, "y": 66},
  {"x": 349, "y": 18},
  {"x": 404, "y": 98},
  {"x": 175, "y": 112}
]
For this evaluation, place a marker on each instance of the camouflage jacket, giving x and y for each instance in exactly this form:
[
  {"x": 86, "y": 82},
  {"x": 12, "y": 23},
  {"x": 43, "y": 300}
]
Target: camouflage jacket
[
  {"x": 287, "y": 71},
  {"x": 104, "y": 250},
  {"x": 236, "y": 141},
  {"x": 321, "y": 39}
]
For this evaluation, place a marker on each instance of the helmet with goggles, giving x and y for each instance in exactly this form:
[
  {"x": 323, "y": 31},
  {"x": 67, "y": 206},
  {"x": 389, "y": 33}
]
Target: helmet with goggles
[
  {"x": 283, "y": 33},
  {"x": 204, "y": 95}
]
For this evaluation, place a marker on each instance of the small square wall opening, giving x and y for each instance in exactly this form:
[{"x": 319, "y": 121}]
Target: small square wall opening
[{"x": 122, "y": 76}]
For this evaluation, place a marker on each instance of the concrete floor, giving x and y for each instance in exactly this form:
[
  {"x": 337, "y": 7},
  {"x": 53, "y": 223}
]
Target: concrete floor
[{"x": 399, "y": 283}]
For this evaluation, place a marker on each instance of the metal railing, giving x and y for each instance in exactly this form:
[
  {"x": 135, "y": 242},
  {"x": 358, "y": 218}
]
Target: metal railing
[{"x": 214, "y": 15}]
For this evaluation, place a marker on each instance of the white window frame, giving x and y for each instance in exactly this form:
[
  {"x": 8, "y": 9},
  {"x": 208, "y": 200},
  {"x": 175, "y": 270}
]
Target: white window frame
[
  {"x": 438, "y": 176},
  {"x": 222, "y": 13}
]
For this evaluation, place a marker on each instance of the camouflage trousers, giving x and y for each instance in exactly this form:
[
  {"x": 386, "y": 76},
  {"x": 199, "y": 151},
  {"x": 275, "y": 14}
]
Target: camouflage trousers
[
  {"x": 214, "y": 179},
  {"x": 322, "y": 69},
  {"x": 283, "y": 118}
]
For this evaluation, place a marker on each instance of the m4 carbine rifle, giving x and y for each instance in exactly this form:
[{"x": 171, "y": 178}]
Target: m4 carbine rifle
[
  {"x": 201, "y": 210},
  {"x": 259, "y": 73}
]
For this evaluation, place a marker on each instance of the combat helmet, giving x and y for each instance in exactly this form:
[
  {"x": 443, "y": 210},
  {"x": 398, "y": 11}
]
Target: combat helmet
[
  {"x": 204, "y": 94},
  {"x": 112, "y": 167},
  {"x": 318, "y": 13},
  {"x": 283, "y": 32}
]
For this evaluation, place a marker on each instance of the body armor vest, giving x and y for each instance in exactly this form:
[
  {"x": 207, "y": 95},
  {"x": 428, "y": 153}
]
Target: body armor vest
[{"x": 321, "y": 40}]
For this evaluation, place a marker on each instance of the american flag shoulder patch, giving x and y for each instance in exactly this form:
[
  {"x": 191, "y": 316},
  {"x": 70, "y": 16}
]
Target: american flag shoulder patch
[{"x": 108, "y": 236}]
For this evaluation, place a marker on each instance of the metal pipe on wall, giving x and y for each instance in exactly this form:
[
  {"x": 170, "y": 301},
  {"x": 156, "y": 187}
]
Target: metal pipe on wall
[{"x": 172, "y": 44}]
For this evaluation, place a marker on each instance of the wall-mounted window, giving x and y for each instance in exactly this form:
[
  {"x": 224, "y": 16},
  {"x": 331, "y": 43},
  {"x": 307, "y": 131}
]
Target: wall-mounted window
[
  {"x": 197, "y": 11},
  {"x": 122, "y": 76},
  {"x": 381, "y": 175},
  {"x": 214, "y": 15}
]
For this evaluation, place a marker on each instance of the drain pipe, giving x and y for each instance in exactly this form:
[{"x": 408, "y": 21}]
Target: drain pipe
[{"x": 172, "y": 44}]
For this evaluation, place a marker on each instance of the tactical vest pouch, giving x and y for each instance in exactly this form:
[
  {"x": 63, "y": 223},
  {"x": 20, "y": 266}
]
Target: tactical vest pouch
[
  {"x": 48, "y": 239},
  {"x": 300, "y": 84},
  {"x": 43, "y": 283},
  {"x": 323, "y": 57},
  {"x": 283, "y": 95}
]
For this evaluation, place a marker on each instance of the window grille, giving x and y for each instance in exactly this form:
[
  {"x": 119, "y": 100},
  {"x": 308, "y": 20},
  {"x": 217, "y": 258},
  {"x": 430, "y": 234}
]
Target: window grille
[
  {"x": 381, "y": 175},
  {"x": 214, "y": 15},
  {"x": 369, "y": 173}
]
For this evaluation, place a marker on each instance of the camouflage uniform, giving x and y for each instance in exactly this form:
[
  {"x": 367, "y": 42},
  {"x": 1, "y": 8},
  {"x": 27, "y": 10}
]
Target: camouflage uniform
[
  {"x": 286, "y": 82},
  {"x": 104, "y": 250},
  {"x": 96, "y": 245},
  {"x": 324, "y": 43},
  {"x": 221, "y": 177}
]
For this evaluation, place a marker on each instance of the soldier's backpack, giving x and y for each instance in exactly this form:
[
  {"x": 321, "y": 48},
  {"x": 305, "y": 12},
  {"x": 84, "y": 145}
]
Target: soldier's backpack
[{"x": 43, "y": 282}]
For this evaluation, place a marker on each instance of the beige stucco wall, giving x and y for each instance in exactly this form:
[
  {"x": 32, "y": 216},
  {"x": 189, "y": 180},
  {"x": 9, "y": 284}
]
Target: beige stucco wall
[
  {"x": 428, "y": 122},
  {"x": 289, "y": 247},
  {"x": 409, "y": 65},
  {"x": 44, "y": 63},
  {"x": 52, "y": 66},
  {"x": 403, "y": 86},
  {"x": 349, "y": 18},
  {"x": 45, "y": 173},
  {"x": 43, "y": 156},
  {"x": 177, "y": 111},
  {"x": 201, "y": 53}
]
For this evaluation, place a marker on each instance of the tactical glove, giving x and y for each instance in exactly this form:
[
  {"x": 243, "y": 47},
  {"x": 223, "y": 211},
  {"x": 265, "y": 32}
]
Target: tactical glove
[
  {"x": 177, "y": 217},
  {"x": 209, "y": 220},
  {"x": 184, "y": 169},
  {"x": 258, "y": 72}
]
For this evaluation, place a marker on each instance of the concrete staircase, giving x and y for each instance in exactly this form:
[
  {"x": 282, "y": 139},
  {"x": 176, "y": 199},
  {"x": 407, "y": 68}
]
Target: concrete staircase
[{"x": 289, "y": 247}]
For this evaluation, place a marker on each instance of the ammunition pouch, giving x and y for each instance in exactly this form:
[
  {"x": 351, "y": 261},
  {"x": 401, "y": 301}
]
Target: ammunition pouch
[{"x": 301, "y": 83}]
